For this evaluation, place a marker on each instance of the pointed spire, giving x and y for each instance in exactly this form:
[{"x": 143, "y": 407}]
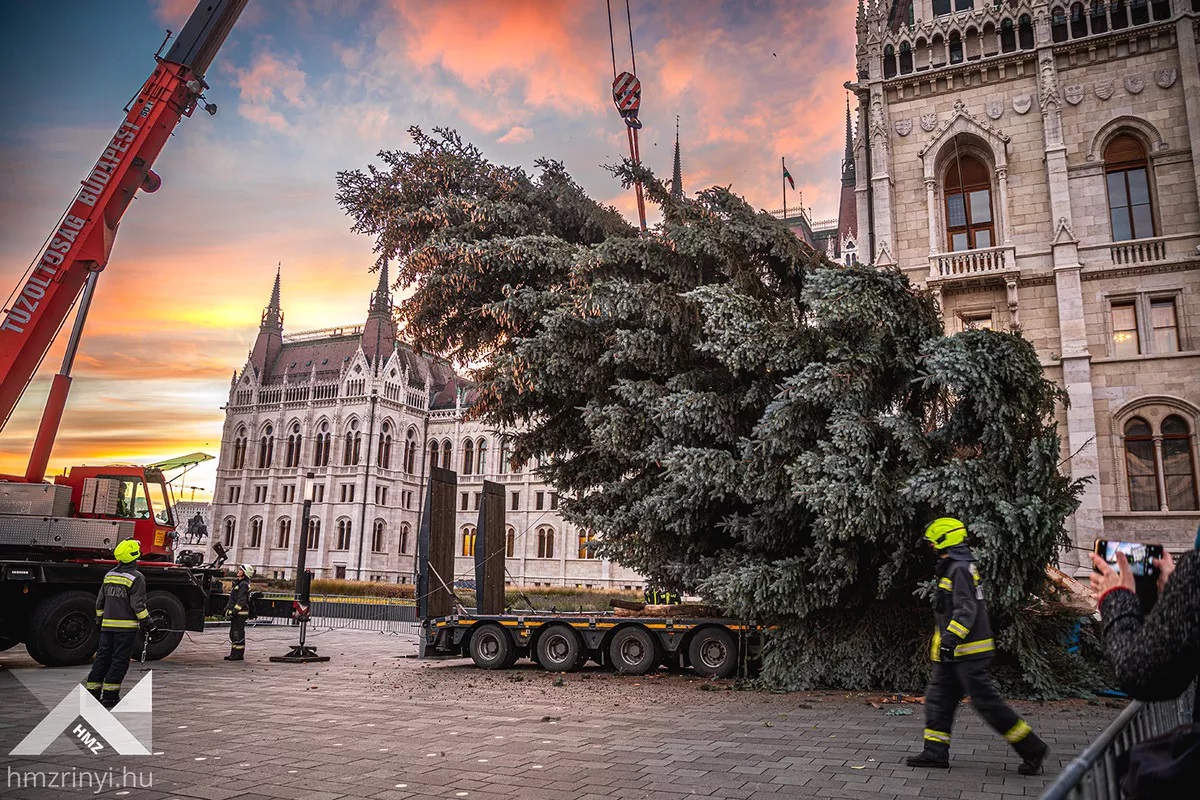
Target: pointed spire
[
  {"x": 275, "y": 292},
  {"x": 677, "y": 174},
  {"x": 848, "y": 156},
  {"x": 272, "y": 316},
  {"x": 381, "y": 298}
]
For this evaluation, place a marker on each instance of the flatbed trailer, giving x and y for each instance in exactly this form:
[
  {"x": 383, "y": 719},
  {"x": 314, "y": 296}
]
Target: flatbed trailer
[{"x": 563, "y": 642}]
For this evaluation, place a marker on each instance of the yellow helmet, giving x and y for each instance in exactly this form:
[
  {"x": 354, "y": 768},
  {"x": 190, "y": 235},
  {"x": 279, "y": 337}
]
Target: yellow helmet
[
  {"x": 946, "y": 532},
  {"x": 127, "y": 551}
]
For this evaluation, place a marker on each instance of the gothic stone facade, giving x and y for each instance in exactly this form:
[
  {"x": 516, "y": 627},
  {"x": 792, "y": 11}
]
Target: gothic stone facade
[
  {"x": 1037, "y": 165},
  {"x": 367, "y": 416}
]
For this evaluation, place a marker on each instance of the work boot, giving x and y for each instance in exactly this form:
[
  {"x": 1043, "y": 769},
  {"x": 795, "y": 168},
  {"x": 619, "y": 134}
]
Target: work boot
[
  {"x": 235, "y": 657},
  {"x": 93, "y": 692},
  {"x": 924, "y": 759},
  {"x": 110, "y": 697},
  {"x": 1034, "y": 762}
]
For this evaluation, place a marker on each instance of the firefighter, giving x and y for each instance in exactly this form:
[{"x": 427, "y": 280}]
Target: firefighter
[
  {"x": 120, "y": 612},
  {"x": 238, "y": 610},
  {"x": 961, "y": 650}
]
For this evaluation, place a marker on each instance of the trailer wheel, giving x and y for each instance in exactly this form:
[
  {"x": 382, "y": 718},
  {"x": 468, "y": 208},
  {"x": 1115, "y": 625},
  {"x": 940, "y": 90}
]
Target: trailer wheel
[
  {"x": 62, "y": 630},
  {"x": 559, "y": 649},
  {"x": 713, "y": 653},
  {"x": 168, "y": 615},
  {"x": 634, "y": 651},
  {"x": 492, "y": 648}
]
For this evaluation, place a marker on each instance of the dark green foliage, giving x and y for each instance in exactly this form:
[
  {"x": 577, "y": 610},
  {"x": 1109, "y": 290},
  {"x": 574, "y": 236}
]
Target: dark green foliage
[{"x": 734, "y": 413}]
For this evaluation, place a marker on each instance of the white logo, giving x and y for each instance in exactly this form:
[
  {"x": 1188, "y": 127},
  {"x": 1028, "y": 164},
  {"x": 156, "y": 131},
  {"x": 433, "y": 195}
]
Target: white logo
[{"x": 81, "y": 717}]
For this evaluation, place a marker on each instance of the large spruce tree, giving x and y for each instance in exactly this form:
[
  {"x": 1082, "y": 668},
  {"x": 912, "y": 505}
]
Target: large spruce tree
[{"x": 735, "y": 414}]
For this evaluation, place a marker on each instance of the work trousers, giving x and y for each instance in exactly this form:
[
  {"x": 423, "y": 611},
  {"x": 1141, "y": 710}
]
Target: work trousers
[
  {"x": 112, "y": 660},
  {"x": 237, "y": 635},
  {"x": 971, "y": 677}
]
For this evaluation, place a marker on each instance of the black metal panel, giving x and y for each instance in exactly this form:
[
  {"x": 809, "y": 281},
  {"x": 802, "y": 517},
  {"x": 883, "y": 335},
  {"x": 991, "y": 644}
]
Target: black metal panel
[{"x": 197, "y": 44}]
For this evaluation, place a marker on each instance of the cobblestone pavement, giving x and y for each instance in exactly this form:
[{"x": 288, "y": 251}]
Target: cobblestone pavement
[{"x": 373, "y": 723}]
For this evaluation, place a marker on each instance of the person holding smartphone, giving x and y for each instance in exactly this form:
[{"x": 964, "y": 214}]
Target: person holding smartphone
[{"x": 1156, "y": 656}]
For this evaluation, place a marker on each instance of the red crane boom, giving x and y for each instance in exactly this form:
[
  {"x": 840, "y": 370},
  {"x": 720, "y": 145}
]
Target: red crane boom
[{"x": 79, "y": 248}]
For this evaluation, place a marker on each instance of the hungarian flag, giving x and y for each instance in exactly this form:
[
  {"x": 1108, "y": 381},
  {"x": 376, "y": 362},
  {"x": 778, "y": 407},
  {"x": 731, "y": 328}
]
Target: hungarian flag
[{"x": 788, "y": 177}]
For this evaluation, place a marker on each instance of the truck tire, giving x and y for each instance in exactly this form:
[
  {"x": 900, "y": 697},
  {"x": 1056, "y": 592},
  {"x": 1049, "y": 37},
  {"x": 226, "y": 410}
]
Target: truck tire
[
  {"x": 168, "y": 615},
  {"x": 634, "y": 651},
  {"x": 7, "y": 643},
  {"x": 559, "y": 649},
  {"x": 713, "y": 653},
  {"x": 492, "y": 648},
  {"x": 62, "y": 630}
]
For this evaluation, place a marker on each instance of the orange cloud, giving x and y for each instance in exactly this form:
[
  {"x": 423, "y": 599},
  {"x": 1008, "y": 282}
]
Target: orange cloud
[{"x": 516, "y": 135}]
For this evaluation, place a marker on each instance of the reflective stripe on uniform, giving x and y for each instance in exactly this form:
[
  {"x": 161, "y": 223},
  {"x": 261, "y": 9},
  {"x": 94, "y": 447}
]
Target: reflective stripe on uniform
[
  {"x": 92, "y": 685},
  {"x": 935, "y": 645},
  {"x": 937, "y": 736},
  {"x": 123, "y": 624},
  {"x": 1018, "y": 732},
  {"x": 99, "y": 612},
  {"x": 975, "y": 648},
  {"x": 111, "y": 687},
  {"x": 120, "y": 580},
  {"x": 142, "y": 614},
  {"x": 958, "y": 629},
  {"x": 945, "y": 583},
  {"x": 239, "y": 647}
]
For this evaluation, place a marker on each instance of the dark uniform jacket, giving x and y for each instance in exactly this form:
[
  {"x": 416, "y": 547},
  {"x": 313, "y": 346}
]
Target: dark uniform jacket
[
  {"x": 121, "y": 602},
  {"x": 1155, "y": 658},
  {"x": 962, "y": 616},
  {"x": 239, "y": 598}
]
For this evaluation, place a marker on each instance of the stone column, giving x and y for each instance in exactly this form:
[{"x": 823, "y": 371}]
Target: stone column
[
  {"x": 1002, "y": 184},
  {"x": 931, "y": 203},
  {"x": 1189, "y": 78}
]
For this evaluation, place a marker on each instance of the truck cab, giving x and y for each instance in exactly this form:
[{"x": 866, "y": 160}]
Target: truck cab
[{"x": 126, "y": 493}]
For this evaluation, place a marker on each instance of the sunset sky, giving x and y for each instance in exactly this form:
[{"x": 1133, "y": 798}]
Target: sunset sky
[{"x": 306, "y": 88}]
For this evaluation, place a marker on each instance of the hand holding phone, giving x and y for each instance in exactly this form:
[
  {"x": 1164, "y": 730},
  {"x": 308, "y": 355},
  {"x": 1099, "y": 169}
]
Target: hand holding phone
[
  {"x": 1142, "y": 558},
  {"x": 1105, "y": 577}
]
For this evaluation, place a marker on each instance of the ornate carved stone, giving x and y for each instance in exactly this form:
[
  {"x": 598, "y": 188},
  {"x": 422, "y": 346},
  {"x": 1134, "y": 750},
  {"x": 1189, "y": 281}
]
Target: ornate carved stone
[
  {"x": 1134, "y": 84},
  {"x": 1104, "y": 89},
  {"x": 1063, "y": 233},
  {"x": 995, "y": 108},
  {"x": 929, "y": 121},
  {"x": 1165, "y": 77},
  {"x": 904, "y": 126},
  {"x": 1022, "y": 103},
  {"x": 1074, "y": 94}
]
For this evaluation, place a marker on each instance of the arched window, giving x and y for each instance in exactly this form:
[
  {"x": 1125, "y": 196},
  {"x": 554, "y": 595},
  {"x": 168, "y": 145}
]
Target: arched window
[
  {"x": 239, "y": 449},
  {"x": 956, "y": 48},
  {"x": 324, "y": 443},
  {"x": 447, "y": 455},
  {"x": 510, "y": 541},
  {"x": 1025, "y": 32},
  {"x": 266, "y": 447},
  {"x": 941, "y": 8},
  {"x": 385, "y": 446},
  {"x": 1126, "y": 173},
  {"x": 433, "y": 454},
  {"x": 1079, "y": 27},
  {"x": 1008, "y": 36},
  {"x": 314, "y": 533},
  {"x": 1140, "y": 11},
  {"x": 889, "y": 62},
  {"x": 1058, "y": 25},
  {"x": 1162, "y": 9},
  {"x": 256, "y": 528},
  {"x": 343, "y": 534},
  {"x": 1099, "y": 20},
  {"x": 285, "y": 533},
  {"x": 1139, "y": 460},
  {"x": 405, "y": 530},
  {"x": 353, "y": 450},
  {"x": 294, "y": 440},
  {"x": 502, "y": 466},
  {"x": 587, "y": 538},
  {"x": 468, "y": 540},
  {"x": 481, "y": 457},
  {"x": 410, "y": 451},
  {"x": 377, "y": 536},
  {"x": 230, "y": 524},
  {"x": 968, "y": 192},
  {"x": 468, "y": 458},
  {"x": 1119, "y": 15},
  {"x": 1179, "y": 467},
  {"x": 906, "y": 58},
  {"x": 545, "y": 540}
]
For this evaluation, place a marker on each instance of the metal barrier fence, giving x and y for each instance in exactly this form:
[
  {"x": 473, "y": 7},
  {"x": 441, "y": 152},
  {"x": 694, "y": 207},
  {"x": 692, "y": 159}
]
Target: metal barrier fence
[
  {"x": 345, "y": 612},
  {"x": 1094, "y": 774}
]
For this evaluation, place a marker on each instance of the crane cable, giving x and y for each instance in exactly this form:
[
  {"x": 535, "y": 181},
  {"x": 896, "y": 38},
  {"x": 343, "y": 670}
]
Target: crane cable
[{"x": 635, "y": 152}]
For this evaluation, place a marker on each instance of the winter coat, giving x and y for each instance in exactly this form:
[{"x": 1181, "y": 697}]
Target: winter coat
[
  {"x": 961, "y": 611},
  {"x": 1157, "y": 657},
  {"x": 239, "y": 598}
]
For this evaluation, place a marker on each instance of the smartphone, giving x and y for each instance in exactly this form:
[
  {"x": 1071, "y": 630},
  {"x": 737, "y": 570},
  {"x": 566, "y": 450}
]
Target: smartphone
[{"x": 1139, "y": 554}]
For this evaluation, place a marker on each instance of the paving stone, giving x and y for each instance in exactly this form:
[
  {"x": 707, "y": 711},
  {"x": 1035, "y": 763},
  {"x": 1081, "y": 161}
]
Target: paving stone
[{"x": 371, "y": 724}]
